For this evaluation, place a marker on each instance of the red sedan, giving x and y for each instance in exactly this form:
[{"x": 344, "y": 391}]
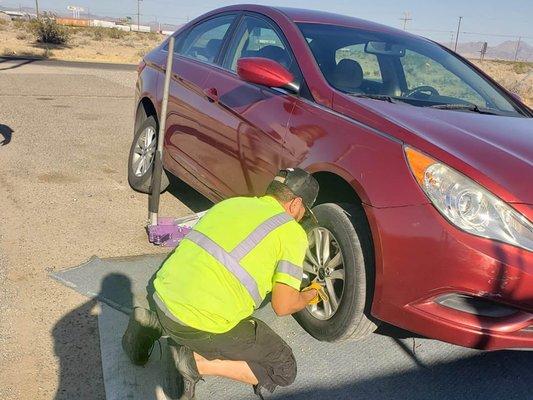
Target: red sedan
[{"x": 425, "y": 164}]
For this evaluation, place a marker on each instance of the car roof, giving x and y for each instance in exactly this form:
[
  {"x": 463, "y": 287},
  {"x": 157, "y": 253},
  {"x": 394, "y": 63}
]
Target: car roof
[
  {"x": 323, "y": 17},
  {"x": 301, "y": 15}
]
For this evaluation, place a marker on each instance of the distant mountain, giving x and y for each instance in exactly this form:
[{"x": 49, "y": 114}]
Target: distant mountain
[{"x": 502, "y": 51}]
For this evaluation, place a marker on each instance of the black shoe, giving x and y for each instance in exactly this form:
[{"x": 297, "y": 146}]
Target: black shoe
[
  {"x": 186, "y": 365},
  {"x": 257, "y": 391},
  {"x": 142, "y": 332}
]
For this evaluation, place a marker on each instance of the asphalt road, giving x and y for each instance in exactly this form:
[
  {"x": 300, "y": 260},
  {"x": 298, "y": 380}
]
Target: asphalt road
[{"x": 65, "y": 132}]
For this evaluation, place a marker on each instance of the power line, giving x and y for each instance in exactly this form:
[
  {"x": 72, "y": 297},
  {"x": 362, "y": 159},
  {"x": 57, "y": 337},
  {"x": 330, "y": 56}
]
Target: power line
[
  {"x": 406, "y": 17},
  {"x": 457, "y": 35},
  {"x": 517, "y": 48}
]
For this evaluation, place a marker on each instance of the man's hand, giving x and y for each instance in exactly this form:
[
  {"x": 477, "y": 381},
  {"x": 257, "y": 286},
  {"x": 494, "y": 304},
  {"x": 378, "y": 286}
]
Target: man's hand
[
  {"x": 286, "y": 300},
  {"x": 321, "y": 293}
]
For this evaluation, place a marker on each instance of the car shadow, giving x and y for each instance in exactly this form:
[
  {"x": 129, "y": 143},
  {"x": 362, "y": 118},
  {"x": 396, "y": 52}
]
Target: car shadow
[
  {"x": 188, "y": 195},
  {"x": 490, "y": 376},
  {"x": 6, "y": 132}
]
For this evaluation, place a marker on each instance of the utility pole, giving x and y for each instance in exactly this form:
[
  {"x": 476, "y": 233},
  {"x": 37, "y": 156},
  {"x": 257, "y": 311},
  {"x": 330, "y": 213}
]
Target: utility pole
[
  {"x": 457, "y": 35},
  {"x": 37, "y": 7},
  {"x": 406, "y": 17},
  {"x": 451, "y": 39},
  {"x": 517, "y": 48},
  {"x": 139, "y": 15}
]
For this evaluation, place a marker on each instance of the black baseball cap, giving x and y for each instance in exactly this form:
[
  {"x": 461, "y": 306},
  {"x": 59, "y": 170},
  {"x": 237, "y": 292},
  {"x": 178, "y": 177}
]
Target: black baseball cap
[{"x": 302, "y": 184}]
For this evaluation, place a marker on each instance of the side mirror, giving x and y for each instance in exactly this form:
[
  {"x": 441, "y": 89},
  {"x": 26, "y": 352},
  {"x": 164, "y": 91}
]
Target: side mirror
[{"x": 267, "y": 72}]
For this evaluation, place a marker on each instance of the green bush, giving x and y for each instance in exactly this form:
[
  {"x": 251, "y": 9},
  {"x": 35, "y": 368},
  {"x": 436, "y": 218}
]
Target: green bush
[{"x": 46, "y": 30}]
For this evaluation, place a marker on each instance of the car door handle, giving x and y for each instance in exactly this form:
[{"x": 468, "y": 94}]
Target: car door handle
[{"x": 211, "y": 94}]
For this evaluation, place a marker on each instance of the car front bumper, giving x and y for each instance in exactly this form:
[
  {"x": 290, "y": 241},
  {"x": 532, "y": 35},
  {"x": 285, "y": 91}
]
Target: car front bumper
[{"x": 438, "y": 281}]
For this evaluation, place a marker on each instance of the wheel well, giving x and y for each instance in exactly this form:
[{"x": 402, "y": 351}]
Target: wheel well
[
  {"x": 145, "y": 109},
  {"x": 334, "y": 189}
]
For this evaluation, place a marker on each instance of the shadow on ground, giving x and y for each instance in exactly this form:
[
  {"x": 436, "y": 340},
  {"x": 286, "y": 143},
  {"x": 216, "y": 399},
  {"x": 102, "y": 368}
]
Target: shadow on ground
[
  {"x": 6, "y": 132},
  {"x": 20, "y": 61},
  {"x": 482, "y": 376},
  {"x": 77, "y": 345},
  {"x": 187, "y": 195}
]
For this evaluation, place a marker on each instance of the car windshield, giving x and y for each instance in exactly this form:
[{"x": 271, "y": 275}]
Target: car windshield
[{"x": 401, "y": 68}]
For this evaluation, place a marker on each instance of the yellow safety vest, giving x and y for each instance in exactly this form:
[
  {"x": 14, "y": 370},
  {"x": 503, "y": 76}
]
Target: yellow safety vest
[{"x": 224, "y": 268}]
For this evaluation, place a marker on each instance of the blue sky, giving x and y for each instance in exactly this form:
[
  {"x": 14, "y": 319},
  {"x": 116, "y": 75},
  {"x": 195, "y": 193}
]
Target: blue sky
[{"x": 432, "y": 18}]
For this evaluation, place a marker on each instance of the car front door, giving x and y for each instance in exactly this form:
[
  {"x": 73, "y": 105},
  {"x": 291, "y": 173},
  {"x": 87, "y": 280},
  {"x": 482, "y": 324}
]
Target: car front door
[
  {"x": 193, "y": 128},
  {"x": 253, "y": 116}
]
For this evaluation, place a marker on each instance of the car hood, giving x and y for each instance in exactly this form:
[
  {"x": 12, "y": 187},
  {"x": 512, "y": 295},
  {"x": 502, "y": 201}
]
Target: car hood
[{"x": 497, "y": 148}]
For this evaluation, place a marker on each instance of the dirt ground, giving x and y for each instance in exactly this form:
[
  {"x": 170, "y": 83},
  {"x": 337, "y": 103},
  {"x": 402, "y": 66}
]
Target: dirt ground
[{"x": 64, "y": 135}]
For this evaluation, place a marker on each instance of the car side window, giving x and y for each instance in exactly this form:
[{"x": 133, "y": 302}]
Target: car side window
[
  {"x": 203, "y": 41},
  {"x": 256, "y": 37}
]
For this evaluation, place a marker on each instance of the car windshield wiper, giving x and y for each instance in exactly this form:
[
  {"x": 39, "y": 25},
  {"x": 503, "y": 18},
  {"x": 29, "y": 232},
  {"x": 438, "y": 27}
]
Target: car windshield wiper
[
  {"x": 382, "y": 97},
  {"x": 464, "y": 107}
]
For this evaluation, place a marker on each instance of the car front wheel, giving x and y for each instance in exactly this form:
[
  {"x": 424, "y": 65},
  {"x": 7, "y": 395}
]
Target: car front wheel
[{"x": 340, "y": 258}]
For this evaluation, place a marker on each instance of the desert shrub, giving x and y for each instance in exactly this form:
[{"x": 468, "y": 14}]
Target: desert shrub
[
  {"x": 152, "y": 36},
  {"x": 98, "y": 33},
  {"x": 521, "y": 67},
  {"x": 20, "y": 24},
  {"x": 47, "y": 30},
  {"x": 115, "y": 33},
  {"x": 22, "y": 36}
]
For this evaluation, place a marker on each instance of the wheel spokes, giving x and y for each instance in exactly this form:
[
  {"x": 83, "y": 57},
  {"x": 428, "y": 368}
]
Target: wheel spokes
[
  {"x": 308, "y": 267},
  {"x": 331, "y": 292},
  {"x": 318, "y": 245},
  {"x": 337, "y": 274},
  {"x": 328, "y": 311},
  {"x": 138, "y": 166},
  {"x": 325, "y": 246},
  {"x": 335, "y": 261},
  {"x": 311, "y": 258}
]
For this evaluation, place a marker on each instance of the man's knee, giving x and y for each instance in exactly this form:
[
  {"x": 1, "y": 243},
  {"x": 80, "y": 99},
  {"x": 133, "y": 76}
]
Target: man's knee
[{"x": 285, "y": 370}]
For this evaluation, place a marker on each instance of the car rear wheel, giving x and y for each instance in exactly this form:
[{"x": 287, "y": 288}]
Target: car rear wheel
[
  {"x": 142, "y": 155},
  {"x": 339, "y": 258}
]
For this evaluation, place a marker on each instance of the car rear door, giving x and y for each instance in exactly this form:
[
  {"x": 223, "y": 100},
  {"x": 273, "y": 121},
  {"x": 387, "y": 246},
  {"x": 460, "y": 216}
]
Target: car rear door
[
  {"x": 253, "y": 116},
  {"x": 193, "y": 128}
]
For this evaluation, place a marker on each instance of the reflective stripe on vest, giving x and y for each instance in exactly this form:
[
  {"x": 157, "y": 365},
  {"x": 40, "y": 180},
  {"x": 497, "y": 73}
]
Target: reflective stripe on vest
[
  {"x": 291, "y": 269},
  {"x": 231, "y": 261}
]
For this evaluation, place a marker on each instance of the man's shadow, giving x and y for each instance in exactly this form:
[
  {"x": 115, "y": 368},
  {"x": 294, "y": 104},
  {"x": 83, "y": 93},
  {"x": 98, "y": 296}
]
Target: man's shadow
[
  {"x": 6, "y": 132},
  {"x": 77, "y": 342}
]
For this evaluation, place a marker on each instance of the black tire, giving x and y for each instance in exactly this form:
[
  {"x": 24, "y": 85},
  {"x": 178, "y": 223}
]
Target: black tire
[
  {"x": 352, "y": 319},
  {"x": 143, "y": 182}
]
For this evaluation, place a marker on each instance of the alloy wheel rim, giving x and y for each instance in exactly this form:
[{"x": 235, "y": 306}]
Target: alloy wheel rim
[
  {"x": 324, "y": 264},
  {"x": 143, "y": 153}
]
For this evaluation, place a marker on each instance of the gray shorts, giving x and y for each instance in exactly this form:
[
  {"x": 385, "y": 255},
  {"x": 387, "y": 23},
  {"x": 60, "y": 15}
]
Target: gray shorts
[{"x": 251, "y": 340}]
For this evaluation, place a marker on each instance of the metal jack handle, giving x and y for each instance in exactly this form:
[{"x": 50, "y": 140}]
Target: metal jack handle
[{"x": 153, "y": 200}]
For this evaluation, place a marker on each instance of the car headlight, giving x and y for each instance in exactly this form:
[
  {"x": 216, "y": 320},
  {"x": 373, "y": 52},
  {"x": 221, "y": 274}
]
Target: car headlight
[{"x": 468, "y": 205}]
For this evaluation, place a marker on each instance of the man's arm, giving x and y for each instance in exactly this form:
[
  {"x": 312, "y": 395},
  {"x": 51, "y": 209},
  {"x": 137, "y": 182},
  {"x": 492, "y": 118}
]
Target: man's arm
[{"x": 287, "y": 300}]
